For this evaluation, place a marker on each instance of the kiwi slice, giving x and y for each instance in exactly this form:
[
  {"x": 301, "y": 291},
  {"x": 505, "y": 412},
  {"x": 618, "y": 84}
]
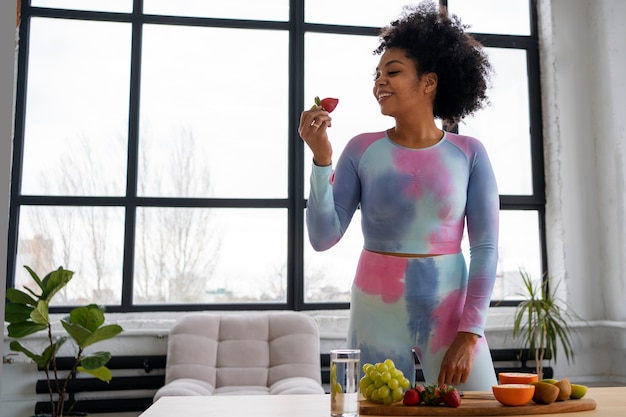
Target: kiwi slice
[
  {"x": 566, "y": 389},
  {"x": 545, "y": 393}
]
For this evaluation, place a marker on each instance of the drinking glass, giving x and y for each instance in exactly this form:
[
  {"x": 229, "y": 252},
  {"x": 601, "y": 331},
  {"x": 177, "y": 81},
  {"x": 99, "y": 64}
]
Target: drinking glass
[{"x": 344, "y": 382}]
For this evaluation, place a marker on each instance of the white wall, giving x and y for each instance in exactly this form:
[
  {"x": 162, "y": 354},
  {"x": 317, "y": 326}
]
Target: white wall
[
  {"x": 7, "y": 54},
  {"x": 584, "y": 102}
]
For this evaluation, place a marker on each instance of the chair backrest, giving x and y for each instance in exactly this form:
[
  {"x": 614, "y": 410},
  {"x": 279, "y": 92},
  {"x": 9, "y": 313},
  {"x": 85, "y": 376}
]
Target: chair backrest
[{"x": 243, "y": 348}]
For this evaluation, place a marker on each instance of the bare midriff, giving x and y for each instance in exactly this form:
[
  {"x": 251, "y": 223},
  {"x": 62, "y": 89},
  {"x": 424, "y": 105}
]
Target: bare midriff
[{"x": 406, "y": 255}]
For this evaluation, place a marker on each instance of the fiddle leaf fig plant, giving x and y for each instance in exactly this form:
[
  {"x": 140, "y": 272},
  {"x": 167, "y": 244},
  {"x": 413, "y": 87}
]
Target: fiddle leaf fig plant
[
  {"x": 27, "y": 313},
  {"x": 542, "y": 322}
]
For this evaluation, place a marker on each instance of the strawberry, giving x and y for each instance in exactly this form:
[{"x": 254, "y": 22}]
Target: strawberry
[
  {"x": 451, "y": 396},
  {"x": 411, "y": 397},
  {"x": 329, "y": 104},
  {"x": 432, "y": 395}
]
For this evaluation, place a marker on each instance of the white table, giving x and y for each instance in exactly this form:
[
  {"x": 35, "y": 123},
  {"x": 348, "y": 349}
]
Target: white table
[{"x": 611, "y": 402}]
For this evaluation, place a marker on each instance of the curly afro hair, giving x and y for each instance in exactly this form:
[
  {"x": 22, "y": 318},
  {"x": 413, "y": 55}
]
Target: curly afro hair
[{"x": 438, "y": 43}]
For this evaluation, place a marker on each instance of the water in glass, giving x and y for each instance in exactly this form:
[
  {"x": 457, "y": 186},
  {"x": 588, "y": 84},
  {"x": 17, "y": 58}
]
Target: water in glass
[{"x": 344, "y": 382}]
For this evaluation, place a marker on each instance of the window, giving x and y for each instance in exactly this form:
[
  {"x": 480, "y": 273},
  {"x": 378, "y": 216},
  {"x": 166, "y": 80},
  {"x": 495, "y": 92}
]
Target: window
[{"x": 157, "y": 154}]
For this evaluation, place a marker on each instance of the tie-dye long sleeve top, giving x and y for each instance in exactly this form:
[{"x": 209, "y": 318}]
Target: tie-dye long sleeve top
[{"x": 414, "y": 201}]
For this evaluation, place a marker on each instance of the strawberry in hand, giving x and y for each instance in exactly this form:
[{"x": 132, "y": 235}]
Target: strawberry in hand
[{"x": 327, "y": 103}]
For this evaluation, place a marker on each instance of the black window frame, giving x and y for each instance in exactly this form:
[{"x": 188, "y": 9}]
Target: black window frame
[{"x": 295, "y": 203}]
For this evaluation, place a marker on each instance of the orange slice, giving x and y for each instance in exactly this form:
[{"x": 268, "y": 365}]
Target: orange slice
[
  {"x": 517, "y": 378},
  {"x": 513, "y": 394}
]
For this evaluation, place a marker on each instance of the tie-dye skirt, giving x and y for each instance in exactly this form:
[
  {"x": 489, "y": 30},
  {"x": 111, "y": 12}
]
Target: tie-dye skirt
[{"x": 400, "y": 305}]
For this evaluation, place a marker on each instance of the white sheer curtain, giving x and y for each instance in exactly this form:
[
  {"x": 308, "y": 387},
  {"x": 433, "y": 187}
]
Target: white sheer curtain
[
  {"x": 584, "y": 151},
  {"x": 584, "y": 138}
]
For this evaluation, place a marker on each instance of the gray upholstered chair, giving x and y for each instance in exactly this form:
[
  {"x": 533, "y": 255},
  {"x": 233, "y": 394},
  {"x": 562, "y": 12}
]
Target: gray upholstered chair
[{"x": 243, "y": 353}]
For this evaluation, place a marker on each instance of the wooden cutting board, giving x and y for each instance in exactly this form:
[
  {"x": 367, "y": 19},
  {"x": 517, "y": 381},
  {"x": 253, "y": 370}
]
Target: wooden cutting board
[{"x": 476, "y": 404}]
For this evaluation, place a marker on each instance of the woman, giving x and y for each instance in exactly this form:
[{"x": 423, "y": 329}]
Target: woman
[{"x": 416, "y": 186}]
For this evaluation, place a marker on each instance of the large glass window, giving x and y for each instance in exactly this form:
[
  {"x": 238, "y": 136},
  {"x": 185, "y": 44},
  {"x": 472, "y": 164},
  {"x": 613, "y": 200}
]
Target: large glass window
[
  {"x": 76, "y": 115},
  {"x": 213, "y": 112},
  {"x": 157, "y": 153}
]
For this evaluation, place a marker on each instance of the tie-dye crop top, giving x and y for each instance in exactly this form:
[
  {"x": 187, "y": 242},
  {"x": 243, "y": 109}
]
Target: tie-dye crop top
[{"x": 413, "y": 201}]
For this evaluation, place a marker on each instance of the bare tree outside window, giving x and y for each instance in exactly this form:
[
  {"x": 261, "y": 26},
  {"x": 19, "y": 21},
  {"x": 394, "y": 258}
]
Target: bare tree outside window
[
  {"x": 176, "y": 248},
  {"x": 77, "y": 236}
]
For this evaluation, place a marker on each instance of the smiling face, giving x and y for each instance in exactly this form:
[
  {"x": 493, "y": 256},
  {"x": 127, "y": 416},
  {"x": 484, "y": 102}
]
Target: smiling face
[{"x": 399, "y": 89}]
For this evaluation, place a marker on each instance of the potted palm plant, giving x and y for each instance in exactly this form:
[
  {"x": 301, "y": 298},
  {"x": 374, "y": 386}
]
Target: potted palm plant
[
  {"x": 541, "y": 322},
  {"x": 27, "y": 313}
]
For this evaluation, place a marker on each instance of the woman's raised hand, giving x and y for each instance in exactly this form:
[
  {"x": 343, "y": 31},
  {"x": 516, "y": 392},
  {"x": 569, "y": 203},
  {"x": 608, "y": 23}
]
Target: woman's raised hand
[{"x": 312, "y": 129}]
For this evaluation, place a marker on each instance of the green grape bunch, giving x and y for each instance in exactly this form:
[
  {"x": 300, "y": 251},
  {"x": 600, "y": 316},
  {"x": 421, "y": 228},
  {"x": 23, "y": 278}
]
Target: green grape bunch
[{"x": 383, "y": 383}]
